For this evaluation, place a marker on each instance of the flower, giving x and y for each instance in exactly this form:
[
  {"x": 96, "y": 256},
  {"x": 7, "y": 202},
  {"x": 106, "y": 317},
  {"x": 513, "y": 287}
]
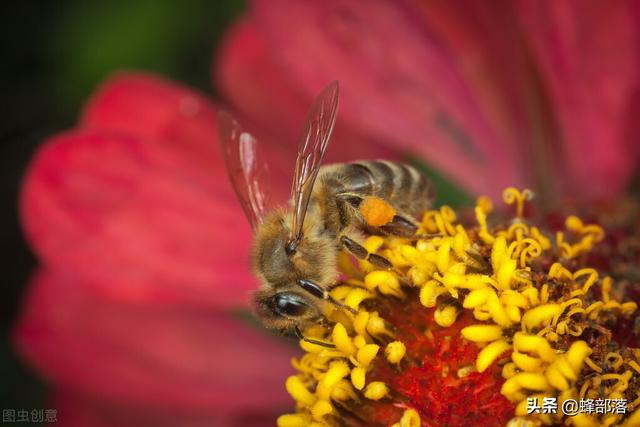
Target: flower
[
  {"x": 538, "y": 94},
  {"x": 131, "y": 216},
  {"x": 485, "y": 324}
]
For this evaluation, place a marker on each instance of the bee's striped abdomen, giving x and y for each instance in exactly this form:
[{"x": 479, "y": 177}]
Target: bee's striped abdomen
[{"x": 398, "y": 183}]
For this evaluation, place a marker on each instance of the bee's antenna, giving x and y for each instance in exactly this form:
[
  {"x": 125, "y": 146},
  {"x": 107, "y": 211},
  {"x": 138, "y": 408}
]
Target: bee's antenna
[{"x": 312, "y": 341}]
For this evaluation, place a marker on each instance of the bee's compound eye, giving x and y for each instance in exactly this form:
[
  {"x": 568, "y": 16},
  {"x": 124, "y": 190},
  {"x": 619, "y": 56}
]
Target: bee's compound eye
[{"x": 289, "y": 305}]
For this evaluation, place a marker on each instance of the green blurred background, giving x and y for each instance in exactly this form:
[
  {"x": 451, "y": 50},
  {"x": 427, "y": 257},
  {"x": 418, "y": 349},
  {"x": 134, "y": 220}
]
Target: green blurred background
[{"x": 52, "y": 55}]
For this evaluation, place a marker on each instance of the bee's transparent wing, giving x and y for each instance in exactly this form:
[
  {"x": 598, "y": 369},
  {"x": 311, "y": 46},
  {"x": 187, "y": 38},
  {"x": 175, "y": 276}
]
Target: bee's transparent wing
[
  {"x": 313, "y": 144},
  {"x": 247, "y": 170}
]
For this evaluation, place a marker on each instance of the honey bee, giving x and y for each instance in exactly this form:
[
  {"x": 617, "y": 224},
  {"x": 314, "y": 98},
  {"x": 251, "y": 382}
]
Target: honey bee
[{"x": 295, "y": 249}]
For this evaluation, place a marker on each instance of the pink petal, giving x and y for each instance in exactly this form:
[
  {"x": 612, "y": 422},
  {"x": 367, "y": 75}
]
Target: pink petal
[
  {"x": 588, "y": 56},
  {"x": 171, "y": 358},
  {"x": 247, "y": 77},
  {"x": 74, "y": 410},
  {"x": 246, "y": 74},
  {"x": 399, "y": 84},
  {"x": 141, "y": 220},
  {"x": 175, "y": 116},
  {"x": 487, "y": 45},
  {"x": 171, "y": 115},
  {"x": 158, "y": 110}
]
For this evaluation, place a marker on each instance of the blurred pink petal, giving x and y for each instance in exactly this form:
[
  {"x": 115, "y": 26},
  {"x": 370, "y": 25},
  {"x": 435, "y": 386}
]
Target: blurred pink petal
[
  {"x": 137, "y": 217},
  {"x": 589, "y": 60},
  {"x": 488, "y": 46},
  {"x": 247, "y": 75},
  {"x": 485, "y": 44},
  {"x": 173, "y": 359},
  {"x": 539, "y": 94},
  {"x": 157, "y": 110},
  {"x": 170, "y": 115},
  {"x": 75, "y": 410},
  {"x": 399, "y": 84}
]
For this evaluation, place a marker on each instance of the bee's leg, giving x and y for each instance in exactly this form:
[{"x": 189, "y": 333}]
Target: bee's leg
[
  {"x": 400, "y": 225},
  {"x": 312, "y": 341},
  {"x": 360, "y": 252},
  {"x": 348, "y": 206},
  {"x": 320, "y": 292}
]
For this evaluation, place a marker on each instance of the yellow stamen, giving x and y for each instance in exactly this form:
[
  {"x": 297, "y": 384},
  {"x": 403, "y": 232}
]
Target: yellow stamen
[
  {"x": 293, "y": 420},
  {"x": 299, "y": 392},
  {"x": 320, "y": 409},
  {"x": 367, "y": 353},
  {"x": 376, "y": 390},
  {"x": 490, "y": 353},
  {"x": 482, "y": 333},
  {"x": 358, "y": 377},
  {"x": 512, "y": 195},
  {"x": 446, "y": 316},
  {"x": 410, "y": 418},
  {"x": 342, "y": 340},
  {"x": 537, "y": 316},
  {"x": 395, "y": 351}
]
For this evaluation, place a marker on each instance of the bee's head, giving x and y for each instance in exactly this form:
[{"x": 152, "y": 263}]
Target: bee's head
[
  {"x": 276, "y": 259},
  {"x": 282, "y": 302}
]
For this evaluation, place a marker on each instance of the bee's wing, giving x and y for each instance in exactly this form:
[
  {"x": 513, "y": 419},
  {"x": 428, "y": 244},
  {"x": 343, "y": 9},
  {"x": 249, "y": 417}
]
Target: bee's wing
[
  {"x": 247, "y": 170},
  {"x": 313, "y": 144}
]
